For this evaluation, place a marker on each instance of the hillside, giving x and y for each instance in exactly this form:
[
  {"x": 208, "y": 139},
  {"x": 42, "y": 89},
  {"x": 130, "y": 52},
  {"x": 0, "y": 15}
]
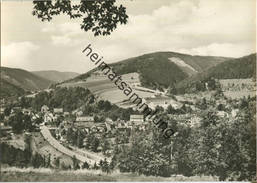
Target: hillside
[
  {"x": 56, "y": 76},
  {"x": 23, "y": 79},
  {"x": 162, "y": 69},
  {"x": 239, "y": 68},
  {"x": 9, "y": 90}
]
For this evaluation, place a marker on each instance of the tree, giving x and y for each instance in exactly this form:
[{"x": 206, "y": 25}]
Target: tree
[
  {"x": 98, "y": 119},
  {"x": 37, "y": 160},
  {"x": 172, "y": 89},
  {"x": 85, "y": 165},
  {"x": 101, "y": 17},
  {"x": 105, "y": 145},
  {"x": 105, "y": 166},
  {"x": 171, "y": 110},
  {"x": 95, "y": 167},
  {"x": 64, "y": 166},
  {"x": 159, "y": 108},
  {"x": 17, "y": 123},
  {"x": 57, "y": 162},
  {"x": 1, "y": 117},
  {"x": 48, "y": 164},
  {"x": 221, "y": 107},
  {"x": 95, "y": 144},
  {"x": 7, "y": 111},
  {"x": 75, "y": 163},
  {"x": 25, "y": 102},
  {"x": 148, "y": 155}
]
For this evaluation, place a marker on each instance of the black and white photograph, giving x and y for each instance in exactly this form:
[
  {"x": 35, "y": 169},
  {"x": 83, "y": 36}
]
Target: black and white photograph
[{"x": 128, "y": 91}]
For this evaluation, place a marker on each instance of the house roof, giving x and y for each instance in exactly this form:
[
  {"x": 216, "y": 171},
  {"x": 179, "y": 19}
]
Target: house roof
[
  {"x": 85, "y": 118},
  {"x": 137, "y": 116}
]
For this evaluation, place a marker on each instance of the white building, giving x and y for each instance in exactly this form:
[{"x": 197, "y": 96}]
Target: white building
[
  {"x": 85, "y": 119},
  {"x": 137, "y": 119},
  {"x": 48, "y": 117},
  {"x": 58, "y": 110},
  {"x": 44, "y": 108}
]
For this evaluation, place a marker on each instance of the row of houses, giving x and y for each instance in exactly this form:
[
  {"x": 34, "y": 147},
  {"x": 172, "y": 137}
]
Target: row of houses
[
  {"x": 136, "y": 121},
  {"x": 45, "y": 109}
]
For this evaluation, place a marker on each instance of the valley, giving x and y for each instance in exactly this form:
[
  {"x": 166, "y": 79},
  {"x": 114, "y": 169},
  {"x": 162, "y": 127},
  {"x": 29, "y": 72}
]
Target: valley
[{"x": 88, "y": 124}]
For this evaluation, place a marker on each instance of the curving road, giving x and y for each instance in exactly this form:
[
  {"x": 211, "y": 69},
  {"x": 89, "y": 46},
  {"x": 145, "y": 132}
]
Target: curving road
[{"x": 86, "y": 157}]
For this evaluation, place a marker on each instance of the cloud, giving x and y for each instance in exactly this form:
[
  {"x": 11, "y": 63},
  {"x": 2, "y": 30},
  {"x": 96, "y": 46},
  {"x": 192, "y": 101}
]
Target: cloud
[
  {"x": 61, "y": 40},
  {"x": 64, "y": 34},
  {"x": 224, "y": 49},
  {"x": 194, "y": 26},
  {"x": 218, "y": 28},
  {"x": 17, "y": 53},
  {"x": 202, "y": 27}
]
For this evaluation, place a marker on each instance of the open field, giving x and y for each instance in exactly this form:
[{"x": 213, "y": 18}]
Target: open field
[
  {"x": 238, "y": 88},
  {"x": 31, "y": 175},
  {"x": 239, "y": 94},
  {"x": 107, "y": 90}
]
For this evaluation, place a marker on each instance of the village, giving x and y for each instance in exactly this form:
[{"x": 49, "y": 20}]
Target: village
[
  {"x": 69, "y": 132},
  {"x": 91, "y": 133},
  {"x": 92, "y": 139}
]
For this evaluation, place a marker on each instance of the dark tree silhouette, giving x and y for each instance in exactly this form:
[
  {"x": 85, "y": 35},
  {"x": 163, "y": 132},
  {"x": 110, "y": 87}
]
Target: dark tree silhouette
[{"x": 99, "y": 16}]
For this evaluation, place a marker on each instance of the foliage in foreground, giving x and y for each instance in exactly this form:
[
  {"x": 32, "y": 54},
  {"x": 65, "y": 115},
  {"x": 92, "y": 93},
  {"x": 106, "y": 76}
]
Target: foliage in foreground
[{"x": 218, "y": 146}]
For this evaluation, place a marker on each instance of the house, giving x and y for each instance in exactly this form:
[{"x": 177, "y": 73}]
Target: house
[
  {"x": 100, "y": 127},
  {"x": 222, "y": 114},
  {"x": 35, "y": 116},
  {"x": 234, "y": 112},
  {"x": 77, "y": 112},
  {"x": 108, "y": 120},
  {"x": 109, "y": 124},
  {"x": 15, "y": 109},
  {"x": 120, "y": 124},
  {"x": 2, "y": 110},
  {"x": 44, "y": 109},
  {"x": 48, "y": 117},
  {"x": 66, "y": 113},
  {"x": 26, "y": 111},
  {"x": 163, "y": 102},
  {"x": 58, "y": 110},
  {"x": 83, "y": 125},
  {"x": 6, "y": 129},
  {"x": 137, "y": 118},
  {"x": 85, "y": 119}
]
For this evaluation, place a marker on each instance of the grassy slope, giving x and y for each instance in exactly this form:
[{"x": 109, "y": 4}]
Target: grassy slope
[
  {"x": 240, "y": 68},
  {"x": 156, "y": 68},
  {"x": 89, "y": 175},
  {"x": 56, "y": 75},
  {"x": 24, "y": 79}
]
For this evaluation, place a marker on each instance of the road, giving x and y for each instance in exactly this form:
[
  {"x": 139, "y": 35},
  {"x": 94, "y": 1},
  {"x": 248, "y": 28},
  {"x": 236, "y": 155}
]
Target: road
[{"x": 88, "y": 157}]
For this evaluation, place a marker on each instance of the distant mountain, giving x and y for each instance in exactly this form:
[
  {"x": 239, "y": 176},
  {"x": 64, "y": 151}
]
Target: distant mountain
[
  {"x": 19, "y": 78},
  {"x": 239, "y": 68},
  {"x": 56, "y": 76},
  {"x": 162, "y": 69}
]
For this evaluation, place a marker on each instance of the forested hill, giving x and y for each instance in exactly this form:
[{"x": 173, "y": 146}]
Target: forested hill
[
  {"x": 56, "y": 76},
  {"x": 14, "y": 82},
  {"x": 9, "y": 90},
  {"x": 163, "y": 68},
  {"x": 239, "y": 68}
]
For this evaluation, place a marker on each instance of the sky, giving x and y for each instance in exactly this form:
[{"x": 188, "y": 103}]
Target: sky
[{"x": 197, "y": 27}]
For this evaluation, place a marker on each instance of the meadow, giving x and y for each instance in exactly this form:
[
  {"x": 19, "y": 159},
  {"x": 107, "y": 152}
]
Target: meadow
[
  {"x": 107, "y": 90},
  {"x": 12, "y": 174}
]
